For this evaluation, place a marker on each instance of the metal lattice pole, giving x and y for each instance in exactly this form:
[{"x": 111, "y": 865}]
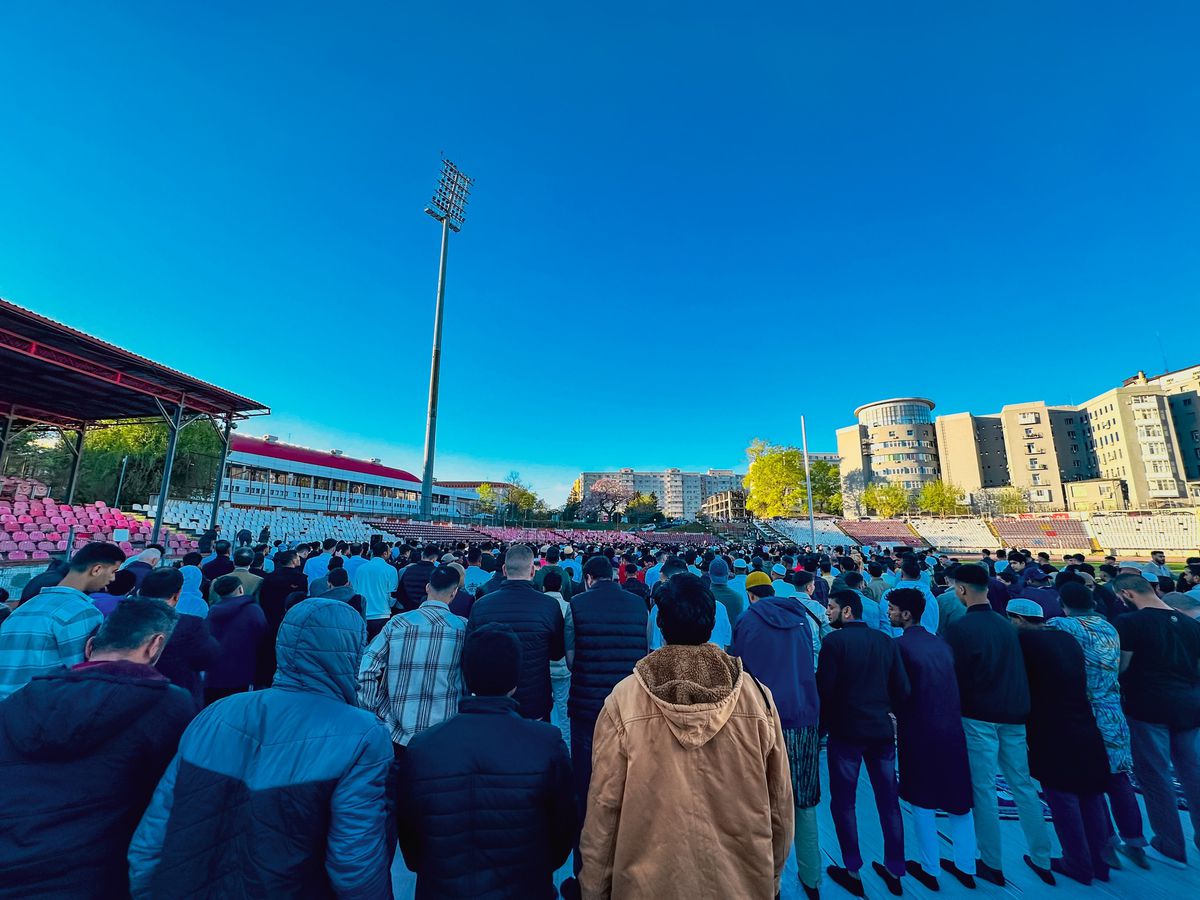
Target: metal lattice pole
[{"x": 448, "y": 206}]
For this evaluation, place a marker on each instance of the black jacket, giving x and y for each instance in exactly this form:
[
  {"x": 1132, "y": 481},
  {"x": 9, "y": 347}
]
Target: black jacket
[
  {"x": 485, "y": 804},
  {"x": 992, "y": 685},
  {"x": 191, "y": 650},
  {"x": 860, "y": 679},
  {"x": 276, "y": 587},
  {"x": 241, "y": 629},
  {"x": 610, "y": 637},
  {"x": 53, "y": 575},
  {"x": 538, "y": 622},
  {"x": 1060, "y": 715},
  {"x": 81, "y": 751},
  {"x": 412, "y": 583}
]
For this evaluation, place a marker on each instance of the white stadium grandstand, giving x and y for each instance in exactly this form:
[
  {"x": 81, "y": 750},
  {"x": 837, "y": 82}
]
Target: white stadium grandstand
[
  {"x": 797, "y": 530},
  {"x": 285, "y": 525},
  {"x": 1131, "y": 532},
  {"x": 955, "y": 534}
]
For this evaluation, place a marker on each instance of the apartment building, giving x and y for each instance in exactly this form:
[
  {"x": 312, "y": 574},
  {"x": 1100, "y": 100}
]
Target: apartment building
[
  {"x": 1182, "y": 388},
  {"x": 1136, "y": 446},
  {"x": 894, "y": 441},
  {"x": 680, "y": 494},
  {"x": 725, "y": 506}
]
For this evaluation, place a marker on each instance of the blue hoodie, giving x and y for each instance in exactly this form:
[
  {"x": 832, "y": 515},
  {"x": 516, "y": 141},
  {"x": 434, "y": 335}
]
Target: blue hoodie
[{"x": 774, "y": 640}]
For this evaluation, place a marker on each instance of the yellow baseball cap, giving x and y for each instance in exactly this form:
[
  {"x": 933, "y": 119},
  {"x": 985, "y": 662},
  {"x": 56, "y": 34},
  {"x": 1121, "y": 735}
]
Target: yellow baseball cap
[{"x": 757, "y": 578}]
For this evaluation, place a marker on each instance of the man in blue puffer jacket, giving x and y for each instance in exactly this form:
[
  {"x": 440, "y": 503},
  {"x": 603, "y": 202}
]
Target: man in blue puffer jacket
[{"x": 281, "y": 792}]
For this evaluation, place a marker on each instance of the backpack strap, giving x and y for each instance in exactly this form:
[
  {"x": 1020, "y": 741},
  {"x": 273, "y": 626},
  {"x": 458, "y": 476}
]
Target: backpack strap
[{"x": 763, "y": 691}]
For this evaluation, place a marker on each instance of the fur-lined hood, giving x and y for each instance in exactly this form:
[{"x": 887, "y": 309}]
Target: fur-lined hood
[{"x": 695, "y": 687}]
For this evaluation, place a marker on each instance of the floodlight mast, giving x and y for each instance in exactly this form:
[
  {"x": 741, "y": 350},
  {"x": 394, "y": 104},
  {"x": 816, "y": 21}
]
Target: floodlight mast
[{"x": 448, "y": 206}]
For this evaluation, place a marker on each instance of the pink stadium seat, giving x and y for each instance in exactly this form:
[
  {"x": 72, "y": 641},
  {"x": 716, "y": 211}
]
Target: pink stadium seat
[
  {"x": 39, "y": 554},
  {"x": 26, "y": 545},
  {"x": 18, "y": 555}
]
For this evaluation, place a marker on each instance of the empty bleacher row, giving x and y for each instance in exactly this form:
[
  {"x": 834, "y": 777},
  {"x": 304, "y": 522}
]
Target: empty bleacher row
[
  {"x": 882, "y": 531},
  {"x": 1146, "y": 531},
  {"x": 797, "y": 530},
  {"x": 955, "y": 534},
  {"x": 33, "y": 526},
  {"x": 285, "y": 525},
  {"x": 1045, "y": 533}
]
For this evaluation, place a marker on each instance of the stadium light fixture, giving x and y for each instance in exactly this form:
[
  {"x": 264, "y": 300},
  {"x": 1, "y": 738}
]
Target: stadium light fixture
[{"x": 448, "y": 206}]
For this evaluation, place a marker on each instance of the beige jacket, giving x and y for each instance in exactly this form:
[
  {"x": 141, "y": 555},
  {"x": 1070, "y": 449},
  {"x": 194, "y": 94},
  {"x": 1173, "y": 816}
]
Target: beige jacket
[{"x": 690, "y": 794}]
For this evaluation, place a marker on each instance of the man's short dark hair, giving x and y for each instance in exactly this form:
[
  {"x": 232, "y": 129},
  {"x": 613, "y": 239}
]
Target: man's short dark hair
[
  {"x": 803, "y": 579},
  {"x": 329, "y": 543},
  {"x": 910, "y": 568},
  {"x": 473, "y": 555},
  {"x": 552, "y": 581},
  {"x": 443, "y": 578},
  {"x": 222, "y": 548},
  {"x": 336, "y": 562},
  {"x": 226, "y": 585},
  {"x": 97, "y": 553},
  {"x": 285, "y": 558},
  {"x": 1132, "y": 582},
  {"x": 853, "y": 579},
  {"x": 687, "y": 610},
  {"x": 673, "y": 566},
  {"x": 599, "y": 568},
  {"x": 161, "y": 584},
  {"x": 852, "y": 600},
  {"x": 243, "y": 556},
  {"x": 338, "y": 578},
  {"x": 491, "y": 660},
  {"x": 431, "y": 551},
  {"x": 551, "y": 554},
  {"x": 761, "y": 590},
  {"x": 908, "y": 600},
  {"x": 973, "y": 575},
  {"x": 1075, "y": 595},
  {"x": 192, "y": 559},
  {"x": 875, "y": 569},
  {"x": 133, "y": 622}
]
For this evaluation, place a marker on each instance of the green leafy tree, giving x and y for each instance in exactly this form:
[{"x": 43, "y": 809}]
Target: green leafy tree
[
  {"x": 489, "y": 499},
  {"x": 193, "y": 474},
  {"x": 887, "y": 499},
  {"x": 939, "y": 498},
  {"x": 1012, "y": 500},
  {"x": 519, "y": 499},
  {"x": 643, "y": 508},
  {"x": 775, "y": 484}
]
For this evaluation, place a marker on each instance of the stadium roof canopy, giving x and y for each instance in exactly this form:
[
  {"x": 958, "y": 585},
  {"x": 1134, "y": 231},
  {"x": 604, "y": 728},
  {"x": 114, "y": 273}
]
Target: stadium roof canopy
[{"x": 52, "y": 374}]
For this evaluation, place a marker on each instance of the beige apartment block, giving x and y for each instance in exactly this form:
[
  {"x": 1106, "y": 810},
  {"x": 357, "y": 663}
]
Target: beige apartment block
[
  {"x": 1182, "y": 388},
  {"x": 971, "y": 451},
  {"x": 1131, "y": 436},
  {"x": 1095, "y": 495},
  {"x": 894, "y": 441}
]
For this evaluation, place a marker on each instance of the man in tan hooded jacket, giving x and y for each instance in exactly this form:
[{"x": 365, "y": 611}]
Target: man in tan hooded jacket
[{"x": 690, "y": 794}]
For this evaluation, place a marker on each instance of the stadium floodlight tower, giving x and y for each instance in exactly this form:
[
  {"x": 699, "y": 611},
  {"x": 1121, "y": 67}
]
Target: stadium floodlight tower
[{"x": 448, "y": 206}]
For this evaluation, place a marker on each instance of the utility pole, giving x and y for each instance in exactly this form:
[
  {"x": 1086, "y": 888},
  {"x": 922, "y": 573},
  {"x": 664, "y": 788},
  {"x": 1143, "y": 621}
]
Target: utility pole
[
  {"x": 812, "y": 523},
  {"x": 448, "y": 206}
]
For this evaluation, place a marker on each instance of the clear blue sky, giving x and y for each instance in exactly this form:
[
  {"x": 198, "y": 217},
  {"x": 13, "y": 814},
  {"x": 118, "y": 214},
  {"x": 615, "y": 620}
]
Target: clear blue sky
[{"x": 691, "y": 223}]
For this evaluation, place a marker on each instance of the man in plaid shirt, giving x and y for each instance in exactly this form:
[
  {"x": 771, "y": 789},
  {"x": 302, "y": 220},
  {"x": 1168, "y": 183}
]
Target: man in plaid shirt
[
  {"x": 411, "y": 673},
  {"x": 48, "y": 631}
]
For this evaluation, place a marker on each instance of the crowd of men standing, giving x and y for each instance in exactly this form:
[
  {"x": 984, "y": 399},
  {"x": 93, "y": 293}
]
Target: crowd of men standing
[{"x": 251, "y": 725}]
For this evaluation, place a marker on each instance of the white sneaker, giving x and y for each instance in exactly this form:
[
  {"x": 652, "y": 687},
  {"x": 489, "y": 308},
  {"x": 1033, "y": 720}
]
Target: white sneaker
[{"x": 1159, "y": 856}]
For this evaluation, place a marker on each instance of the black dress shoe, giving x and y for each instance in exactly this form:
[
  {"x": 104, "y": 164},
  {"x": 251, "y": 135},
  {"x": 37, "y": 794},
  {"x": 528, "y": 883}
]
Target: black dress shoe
[
  {"x": 843, "y": 878},
  {"x": 917, "y": 871},
  {"x": 569, "y": 889},
  {"x": 1056, "y": 865},
  {"x": 1045, "y": 874},
  {"x": 967, "y": 881},
  {"x": 892, "y": 882},
  {"x": 988, "y": 874},
  {"x": 811, "y": 893}
]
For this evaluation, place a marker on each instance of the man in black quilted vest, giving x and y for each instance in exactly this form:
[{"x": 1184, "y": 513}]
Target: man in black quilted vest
[{"x": 610, "y": 638}]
